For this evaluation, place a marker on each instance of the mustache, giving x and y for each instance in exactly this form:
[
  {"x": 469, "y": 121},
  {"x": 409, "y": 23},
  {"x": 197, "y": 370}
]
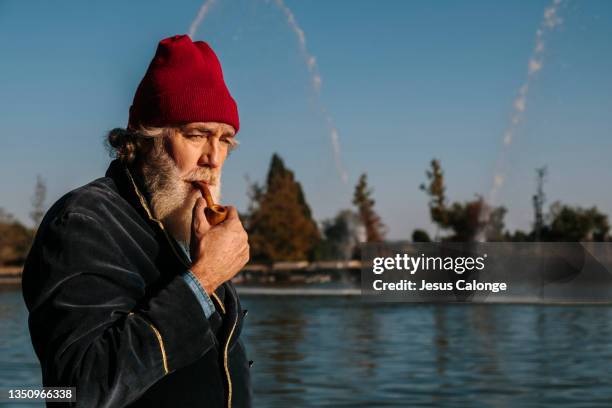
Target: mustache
[{"x": 202, "y": 174}]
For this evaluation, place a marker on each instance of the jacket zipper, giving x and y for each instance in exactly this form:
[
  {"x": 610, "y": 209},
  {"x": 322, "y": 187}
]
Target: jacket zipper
[
  {"x": 226, "y": 364},
  {"x": 219, "y": 303}
]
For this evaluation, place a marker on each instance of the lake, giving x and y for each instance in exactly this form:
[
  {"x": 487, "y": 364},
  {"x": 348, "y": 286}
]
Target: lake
[{"x": 335, "y": 351}]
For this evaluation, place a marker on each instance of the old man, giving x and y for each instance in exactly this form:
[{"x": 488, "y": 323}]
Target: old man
[{"x": 127, "y": 284}]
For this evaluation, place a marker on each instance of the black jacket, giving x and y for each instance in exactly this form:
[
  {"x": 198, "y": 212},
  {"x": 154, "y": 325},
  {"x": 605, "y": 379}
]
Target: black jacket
[{"x": 110, "y": 315}]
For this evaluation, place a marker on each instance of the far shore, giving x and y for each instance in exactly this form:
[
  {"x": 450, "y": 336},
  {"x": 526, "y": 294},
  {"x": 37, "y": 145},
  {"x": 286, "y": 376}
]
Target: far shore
[{"x": 10, "y": 275}]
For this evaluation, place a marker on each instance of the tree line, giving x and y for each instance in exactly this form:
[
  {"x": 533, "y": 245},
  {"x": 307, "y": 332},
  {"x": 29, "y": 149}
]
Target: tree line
[
  {"x": 281, "y": 226},
  {"x": 475, "y": 220}
]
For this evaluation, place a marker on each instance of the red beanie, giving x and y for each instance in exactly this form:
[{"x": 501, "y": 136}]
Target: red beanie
[{"x": 184, "y": 83}]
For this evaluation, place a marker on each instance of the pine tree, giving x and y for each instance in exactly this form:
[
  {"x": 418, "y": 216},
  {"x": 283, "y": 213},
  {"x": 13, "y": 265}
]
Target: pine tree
[
  {"x": 436, "y": 191},
  {"x": 362, "y": 198},
  {"x": 280, "y": 223}
]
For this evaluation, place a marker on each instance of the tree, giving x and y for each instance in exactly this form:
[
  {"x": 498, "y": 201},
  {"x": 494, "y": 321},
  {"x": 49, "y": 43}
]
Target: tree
[
  {"x": 15, "y": 240},
  {"x": 279, "y": 222},
  {"x": 419, "y": 235},
  {"x": 517, "y": 236},
  {"x": 38, "y": 201},
  {"x": 464, "y": 219},
  {"x": 362, "y": 198},
  {"x": 436, "y": 191},
  {"x": 467, "y": 223},
  {"x": 574, "y": 224}
]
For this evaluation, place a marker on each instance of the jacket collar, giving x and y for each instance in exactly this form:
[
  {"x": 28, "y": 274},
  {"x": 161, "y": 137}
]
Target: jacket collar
[{"x": 131, "y": 189}]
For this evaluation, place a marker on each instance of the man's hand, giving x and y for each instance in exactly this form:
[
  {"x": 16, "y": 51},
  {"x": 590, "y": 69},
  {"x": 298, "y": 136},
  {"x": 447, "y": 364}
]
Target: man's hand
[{"x": 218, "y": 252}]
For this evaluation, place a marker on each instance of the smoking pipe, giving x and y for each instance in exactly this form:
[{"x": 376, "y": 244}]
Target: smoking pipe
[{"x": 214, "y": 213}]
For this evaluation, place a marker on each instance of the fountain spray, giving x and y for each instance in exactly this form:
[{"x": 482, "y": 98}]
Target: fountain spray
[
  {"x": 202, "y": 12},
  {"x": 550, "y": 21},
  {"x": 313, "y": 69}
]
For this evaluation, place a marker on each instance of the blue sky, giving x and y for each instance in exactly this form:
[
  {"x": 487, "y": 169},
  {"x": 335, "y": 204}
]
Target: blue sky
[{"x": 404, "y": 81}]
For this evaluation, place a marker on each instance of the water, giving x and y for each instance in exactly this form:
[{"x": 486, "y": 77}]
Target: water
[{"x": 338, "y": 352}]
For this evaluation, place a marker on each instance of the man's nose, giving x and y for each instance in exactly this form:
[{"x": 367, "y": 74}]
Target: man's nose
[{"x": 210, "y": 156}]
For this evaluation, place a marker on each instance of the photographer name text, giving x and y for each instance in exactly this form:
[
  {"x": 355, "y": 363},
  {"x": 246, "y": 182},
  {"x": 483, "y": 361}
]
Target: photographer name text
[
  {"x": 461, "y": 284},
  {"x": 413, "y": 264}
]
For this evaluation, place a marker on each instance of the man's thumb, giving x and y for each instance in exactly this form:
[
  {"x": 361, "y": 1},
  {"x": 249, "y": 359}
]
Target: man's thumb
[{"x": 199, "y": 223}]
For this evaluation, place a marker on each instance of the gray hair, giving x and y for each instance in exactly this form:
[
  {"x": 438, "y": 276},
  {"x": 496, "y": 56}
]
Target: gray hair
[{"x": 129, "y": 145}]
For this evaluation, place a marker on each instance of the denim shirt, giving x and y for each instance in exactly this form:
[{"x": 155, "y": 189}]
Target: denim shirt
[{"x": 194, "y": 284}]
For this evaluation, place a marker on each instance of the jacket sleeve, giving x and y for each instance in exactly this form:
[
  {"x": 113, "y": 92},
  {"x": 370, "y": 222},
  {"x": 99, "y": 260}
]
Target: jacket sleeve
[{"x": 91, "y": 322}]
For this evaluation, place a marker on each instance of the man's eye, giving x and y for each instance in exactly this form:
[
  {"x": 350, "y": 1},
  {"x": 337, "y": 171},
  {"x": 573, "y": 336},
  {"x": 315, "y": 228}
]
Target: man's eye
[{"x": 194, "y": 135}]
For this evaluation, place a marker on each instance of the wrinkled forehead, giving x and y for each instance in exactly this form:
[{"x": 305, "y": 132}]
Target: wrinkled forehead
[{"x": 209, "y": 127}]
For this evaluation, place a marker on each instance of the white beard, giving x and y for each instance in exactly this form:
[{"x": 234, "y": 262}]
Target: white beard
[{"x": 172, "y": 198}]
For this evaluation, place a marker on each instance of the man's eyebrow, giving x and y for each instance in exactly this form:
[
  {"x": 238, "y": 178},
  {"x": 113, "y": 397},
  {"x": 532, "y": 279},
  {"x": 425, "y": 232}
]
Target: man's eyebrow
[
  {"x": 198, "y": 128},
  {"x": 206, "y": 129}
]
